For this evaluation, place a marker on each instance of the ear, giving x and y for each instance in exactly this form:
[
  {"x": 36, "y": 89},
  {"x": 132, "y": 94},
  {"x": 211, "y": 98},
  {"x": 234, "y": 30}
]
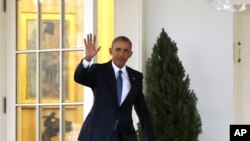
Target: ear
[
  {"x": 110, "y": 51},
  {"x": 131, "y": 53}
]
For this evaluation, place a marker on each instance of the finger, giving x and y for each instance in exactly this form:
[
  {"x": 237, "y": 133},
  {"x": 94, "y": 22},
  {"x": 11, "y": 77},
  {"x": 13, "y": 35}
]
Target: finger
[
  {"x": 90, "y": 38},
  {"x": 98, "y": 48},
  {"x": 85, "y": 42}
]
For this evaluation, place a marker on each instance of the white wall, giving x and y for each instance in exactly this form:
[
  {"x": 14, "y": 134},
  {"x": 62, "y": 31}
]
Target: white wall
[
  {"x": 204, "y": 38},
  {"x": 128, "y": 22}
]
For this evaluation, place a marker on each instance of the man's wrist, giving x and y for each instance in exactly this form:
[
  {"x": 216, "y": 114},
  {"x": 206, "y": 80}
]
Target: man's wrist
[
  {"x": 88, "y": 59},
  {"x": 85, "y": 63}
]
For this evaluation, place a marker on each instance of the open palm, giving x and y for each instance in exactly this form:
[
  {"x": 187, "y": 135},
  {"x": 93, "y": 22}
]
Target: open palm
[{"x": 90, "y": 47}]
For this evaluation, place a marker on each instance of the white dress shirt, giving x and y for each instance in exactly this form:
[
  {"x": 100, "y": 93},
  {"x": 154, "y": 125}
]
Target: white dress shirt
[{"x": 126, "y": 86}]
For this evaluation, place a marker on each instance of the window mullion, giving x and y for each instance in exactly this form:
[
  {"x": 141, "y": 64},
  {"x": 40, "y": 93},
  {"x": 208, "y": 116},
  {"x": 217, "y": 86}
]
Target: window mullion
[
  {"x": 38, "y": 127},
  {"x": 62, "y": 18}
]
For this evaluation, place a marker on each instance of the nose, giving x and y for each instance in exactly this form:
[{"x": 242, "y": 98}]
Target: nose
[{"x": 121, "y": 53}]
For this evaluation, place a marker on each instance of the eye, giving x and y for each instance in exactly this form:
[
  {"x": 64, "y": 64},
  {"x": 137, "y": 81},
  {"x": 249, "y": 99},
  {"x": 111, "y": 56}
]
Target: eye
[
  {"x": 126, "y": 50},
  {"x": 118, "y": 49}
]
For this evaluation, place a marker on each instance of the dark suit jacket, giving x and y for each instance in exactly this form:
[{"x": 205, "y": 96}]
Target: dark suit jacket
[{"x": 105, "y": 111}]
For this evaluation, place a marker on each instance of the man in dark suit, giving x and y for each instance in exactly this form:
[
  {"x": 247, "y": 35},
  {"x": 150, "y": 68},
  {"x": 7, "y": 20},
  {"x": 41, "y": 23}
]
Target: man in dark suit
[{"x": 116, "y": 89}]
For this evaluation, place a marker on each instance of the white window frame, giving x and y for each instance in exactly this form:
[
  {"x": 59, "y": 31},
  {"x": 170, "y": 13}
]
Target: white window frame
[{"x": 2, "y": 71}]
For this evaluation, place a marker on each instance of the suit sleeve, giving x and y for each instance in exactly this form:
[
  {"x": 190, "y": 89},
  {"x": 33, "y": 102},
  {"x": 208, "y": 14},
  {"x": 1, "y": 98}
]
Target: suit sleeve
[
  {"x": 85, "y": 76},
  {"x": 143, "y": 115}
]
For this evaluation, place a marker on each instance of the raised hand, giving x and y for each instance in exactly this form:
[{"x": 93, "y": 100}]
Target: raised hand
[{"x": 90, "y": 47}]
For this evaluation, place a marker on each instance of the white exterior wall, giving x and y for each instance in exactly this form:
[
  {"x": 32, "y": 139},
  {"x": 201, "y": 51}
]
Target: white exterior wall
[{"x": 204, "y": 38}]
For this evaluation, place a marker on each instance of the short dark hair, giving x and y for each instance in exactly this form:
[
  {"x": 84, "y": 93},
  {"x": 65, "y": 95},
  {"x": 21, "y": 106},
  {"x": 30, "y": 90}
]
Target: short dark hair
[{"x": 122, "y": 38}]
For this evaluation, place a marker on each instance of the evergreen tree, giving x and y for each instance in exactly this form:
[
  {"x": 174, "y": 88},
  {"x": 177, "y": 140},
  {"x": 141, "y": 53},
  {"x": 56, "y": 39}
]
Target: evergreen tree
[{"x": 171, "y": 103}]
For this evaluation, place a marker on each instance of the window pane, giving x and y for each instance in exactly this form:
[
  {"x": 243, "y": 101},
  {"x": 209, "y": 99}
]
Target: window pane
[
  {"x": 72, "y": 92},
  {"x": 50, "y": 34},
  {"x": 26, "y": 25},
  {"x": 73, "y": 24},
  {"x": 26, "y": 78},
  {"x": 73, "y": 116},
  {"x": 26, "y": 123},
  {"x": 50, "y": 24},
  {"x": 50, "y": 122},
  {"x": 49, "y": 77}
]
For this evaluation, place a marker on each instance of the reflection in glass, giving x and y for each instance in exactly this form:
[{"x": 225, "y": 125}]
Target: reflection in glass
[
  {"x": 26, "y": 28},
  {"x": 31, "y": 34},
  {"x": 50, "y": 24},
  {"x": 72, "y": 92},
  {"x": 26, "y": 131},
  {"x": 26, "y": 78},
  {"x": 50, "y": 34},
  {"x": 73, "y": 118},
  {"x": 49, "y": 76},
  {"x": 50, "y": 123},
  {"x": 74, "y": 9}
]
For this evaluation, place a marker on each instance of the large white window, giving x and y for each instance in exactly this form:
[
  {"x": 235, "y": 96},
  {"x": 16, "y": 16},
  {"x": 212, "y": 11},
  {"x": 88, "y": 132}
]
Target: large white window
[{"x": 44, "y": 46}]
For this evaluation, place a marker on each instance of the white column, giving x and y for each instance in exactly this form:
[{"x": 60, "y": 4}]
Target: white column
[
  {"x": 2, "y": 62},
  {"x": 129, "y": 23},
  {"x": 89, "y": 24},
  {"x": 10, "y": 90}
]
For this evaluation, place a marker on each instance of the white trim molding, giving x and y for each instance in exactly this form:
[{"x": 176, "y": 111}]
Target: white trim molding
[
  {"x": 2, "y": 71},
  {"x": 10, "y": 68}
]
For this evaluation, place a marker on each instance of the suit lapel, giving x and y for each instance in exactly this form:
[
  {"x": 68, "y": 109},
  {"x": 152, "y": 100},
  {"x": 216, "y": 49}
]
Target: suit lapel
[{"x": 132, "y": 83}]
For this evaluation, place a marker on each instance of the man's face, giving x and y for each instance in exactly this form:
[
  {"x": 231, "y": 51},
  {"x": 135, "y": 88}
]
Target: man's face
[{"x": 120, "y": 53}]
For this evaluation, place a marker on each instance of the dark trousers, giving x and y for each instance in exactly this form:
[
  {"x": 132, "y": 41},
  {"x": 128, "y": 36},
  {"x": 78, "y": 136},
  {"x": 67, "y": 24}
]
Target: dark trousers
[{"x": 116, "y": 136}]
